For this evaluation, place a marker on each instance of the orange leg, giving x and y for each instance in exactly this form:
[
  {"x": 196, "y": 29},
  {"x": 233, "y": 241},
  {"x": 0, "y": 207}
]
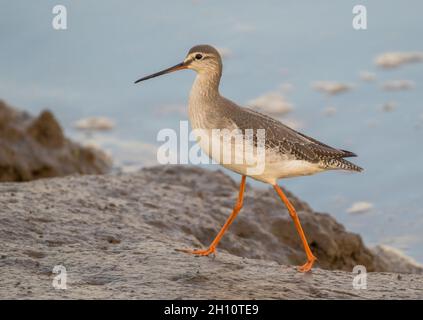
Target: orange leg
[
  {"x": 212, "y": 248},
  {"x": 310, "y": 257}
]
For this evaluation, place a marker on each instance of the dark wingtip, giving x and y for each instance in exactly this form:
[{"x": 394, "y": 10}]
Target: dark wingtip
[{"x": 348, "y": 154}]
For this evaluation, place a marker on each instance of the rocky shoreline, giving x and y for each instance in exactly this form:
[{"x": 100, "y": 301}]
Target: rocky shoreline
[
  {"x": 116, "y": 235},
  {"x": 36, "y": 147}
]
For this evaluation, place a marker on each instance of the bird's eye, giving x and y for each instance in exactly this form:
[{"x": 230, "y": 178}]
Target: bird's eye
[{"x": 198, "y": 56}]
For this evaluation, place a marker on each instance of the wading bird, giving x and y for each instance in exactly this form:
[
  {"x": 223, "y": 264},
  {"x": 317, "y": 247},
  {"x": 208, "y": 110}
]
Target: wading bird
[{"x": 288, "y": 153}]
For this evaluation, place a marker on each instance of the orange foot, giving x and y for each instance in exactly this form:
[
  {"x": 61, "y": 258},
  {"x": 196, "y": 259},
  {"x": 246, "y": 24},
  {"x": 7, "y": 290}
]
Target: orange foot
[
  {"x": 307, "y": 266},
  {"x": 206, "y": 252}
]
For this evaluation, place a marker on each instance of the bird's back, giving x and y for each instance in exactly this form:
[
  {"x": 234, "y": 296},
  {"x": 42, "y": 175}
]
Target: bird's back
[{"x": 280, "y": 138}]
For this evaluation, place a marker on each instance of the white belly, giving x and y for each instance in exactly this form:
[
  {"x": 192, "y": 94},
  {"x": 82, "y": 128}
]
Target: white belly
[{"x": 266, "y": 168}]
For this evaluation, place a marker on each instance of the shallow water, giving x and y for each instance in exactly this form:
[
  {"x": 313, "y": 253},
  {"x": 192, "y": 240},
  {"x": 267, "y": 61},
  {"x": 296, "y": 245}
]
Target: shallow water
[{"x": 89, "y": 70}]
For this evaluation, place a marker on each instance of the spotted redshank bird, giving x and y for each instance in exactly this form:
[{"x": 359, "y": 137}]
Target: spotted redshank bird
[{"x": 287, "y": 153}]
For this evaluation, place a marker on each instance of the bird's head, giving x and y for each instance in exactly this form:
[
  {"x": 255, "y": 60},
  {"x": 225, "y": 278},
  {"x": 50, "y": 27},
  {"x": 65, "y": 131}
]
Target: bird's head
[{"x": 203, "y": 59}]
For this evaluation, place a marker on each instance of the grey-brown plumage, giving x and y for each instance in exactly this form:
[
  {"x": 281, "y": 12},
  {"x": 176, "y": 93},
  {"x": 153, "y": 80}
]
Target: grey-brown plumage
[
  {"x": 204, "y": 48},
  {"x": 296, "y": 144},
  {"x": 279, "y": 153},
  {"x": 288, "y": 153}
]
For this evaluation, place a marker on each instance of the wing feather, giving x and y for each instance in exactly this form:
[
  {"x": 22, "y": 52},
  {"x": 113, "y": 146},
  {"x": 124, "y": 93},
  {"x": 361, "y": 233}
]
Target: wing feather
[{"x": 286, "y": 139}]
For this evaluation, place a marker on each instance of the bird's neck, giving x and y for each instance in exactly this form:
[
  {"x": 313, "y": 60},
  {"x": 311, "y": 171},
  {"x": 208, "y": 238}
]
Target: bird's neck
[
  {"x": 206, "y": 86},
  {"x": 203, "y": 98}
]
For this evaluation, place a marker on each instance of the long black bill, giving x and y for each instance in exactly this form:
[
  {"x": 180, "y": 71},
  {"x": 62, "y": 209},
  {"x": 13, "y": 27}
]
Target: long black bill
[{"x": 179, "y": 66}]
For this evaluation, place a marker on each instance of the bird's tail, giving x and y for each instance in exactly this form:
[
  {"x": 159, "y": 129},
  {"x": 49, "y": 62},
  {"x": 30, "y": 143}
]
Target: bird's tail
[{"x": 340, "y": 163}]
